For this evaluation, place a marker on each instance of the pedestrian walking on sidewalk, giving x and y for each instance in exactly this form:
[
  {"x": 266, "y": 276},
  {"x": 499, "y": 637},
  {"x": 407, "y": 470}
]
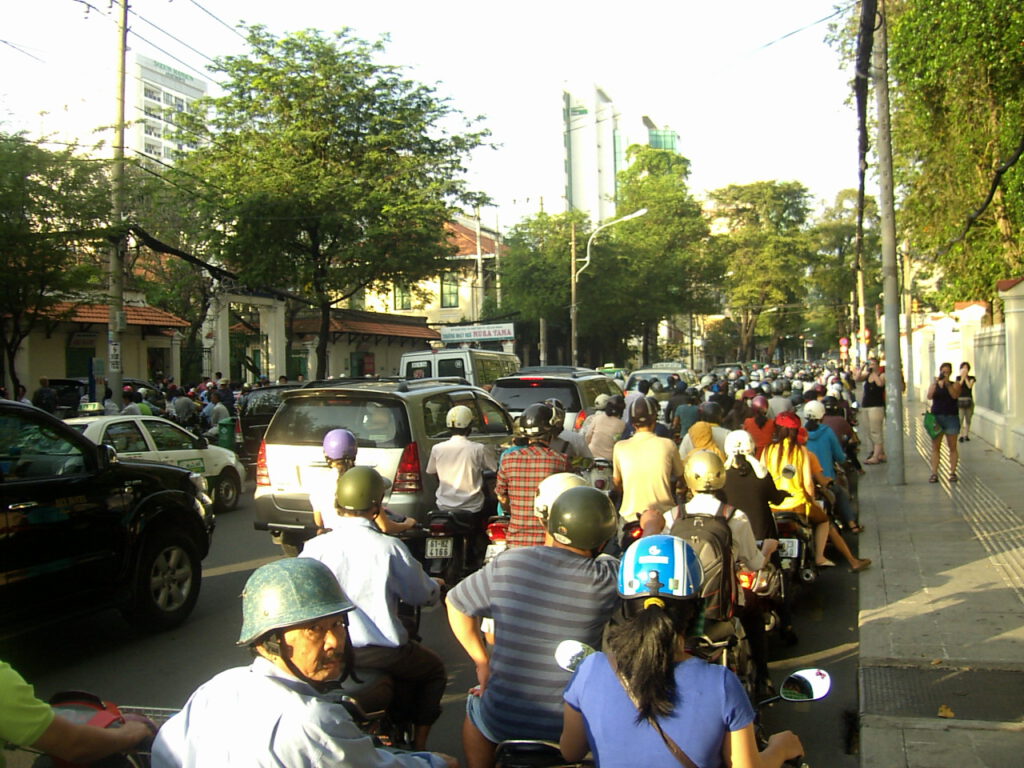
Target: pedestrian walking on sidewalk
[
  {"x": 944, "y": 393},
  {"x": 872, "y": 405},
  {"x": 965, "y": 402}
]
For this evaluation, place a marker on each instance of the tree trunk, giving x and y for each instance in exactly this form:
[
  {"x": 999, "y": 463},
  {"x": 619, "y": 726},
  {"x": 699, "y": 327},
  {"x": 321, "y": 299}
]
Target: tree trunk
[{"x": 321, "y": 343}]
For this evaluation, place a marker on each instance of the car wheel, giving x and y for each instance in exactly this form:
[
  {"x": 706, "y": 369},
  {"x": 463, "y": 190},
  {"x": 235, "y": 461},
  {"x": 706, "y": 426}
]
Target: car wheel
[
  {"x": 226, "y": 490},
  {"x": 167, "y": 580}
]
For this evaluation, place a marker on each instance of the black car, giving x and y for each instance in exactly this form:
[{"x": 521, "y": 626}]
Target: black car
[
  {"x": 71, "y": 391},
  {"x": 81, "y": 530},
  {"x": 260, "y": 405}
]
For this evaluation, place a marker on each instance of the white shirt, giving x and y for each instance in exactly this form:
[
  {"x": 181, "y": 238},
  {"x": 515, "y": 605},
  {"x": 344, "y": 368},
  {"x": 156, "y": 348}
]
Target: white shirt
[
  {"x": 572, "y": 444},
  {"x": 375, "y": 572},
  {"x": 459, "y": 464}
]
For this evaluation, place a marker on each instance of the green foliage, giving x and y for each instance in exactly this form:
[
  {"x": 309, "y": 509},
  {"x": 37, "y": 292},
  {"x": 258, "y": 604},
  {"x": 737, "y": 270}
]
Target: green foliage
[
  {"x": 53, "y": 211},
  {"x": 327, "y": 171},
  {"x": 958, "y": 114},
  {"x": 832, "y": 278},
  {"x": 766, "y": 249}
]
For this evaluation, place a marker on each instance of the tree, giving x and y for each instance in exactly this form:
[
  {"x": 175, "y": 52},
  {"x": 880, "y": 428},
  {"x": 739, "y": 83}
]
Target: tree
[
  {"x": 329, "y": 171},
  {"x": 53, "y": 211},
  {"x": 766, "y": 250},
  {"x": 665, "y": 269},
  {"x": 832, "y": 277}
]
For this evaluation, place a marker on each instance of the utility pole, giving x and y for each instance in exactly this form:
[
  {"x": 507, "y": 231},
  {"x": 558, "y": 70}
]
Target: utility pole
[
  {"x": 572, "y": 295},
  {"x": 890, "y": 275},
  {"x": 115, "y": 314},
  {"x": 908, "y": 313}
]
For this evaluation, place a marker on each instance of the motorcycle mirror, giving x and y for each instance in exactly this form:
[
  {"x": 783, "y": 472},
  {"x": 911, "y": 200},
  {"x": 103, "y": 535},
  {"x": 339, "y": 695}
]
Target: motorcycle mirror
[
  {"x": 806, "y": 685},
  {"x": 570, "y": 654}
]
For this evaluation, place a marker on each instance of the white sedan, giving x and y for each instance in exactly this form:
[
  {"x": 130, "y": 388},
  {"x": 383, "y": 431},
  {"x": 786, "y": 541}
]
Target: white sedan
[{"x": 156, "y": 439}]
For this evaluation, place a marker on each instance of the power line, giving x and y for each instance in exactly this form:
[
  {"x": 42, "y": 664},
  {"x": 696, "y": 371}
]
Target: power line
[
  {"x": 21, "y": 50},
  {"x": 219, "y": 20},
  {"x": 164, "y": 31},
  {"x": 822, "y": 20}
]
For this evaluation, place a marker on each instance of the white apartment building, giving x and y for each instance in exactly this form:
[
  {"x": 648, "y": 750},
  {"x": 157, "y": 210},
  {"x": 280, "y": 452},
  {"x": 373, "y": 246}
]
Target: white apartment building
[{"x": 160, "y": 93}]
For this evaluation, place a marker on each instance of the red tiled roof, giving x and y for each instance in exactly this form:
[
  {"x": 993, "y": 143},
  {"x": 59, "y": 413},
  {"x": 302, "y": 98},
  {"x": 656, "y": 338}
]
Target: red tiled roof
[
  {"x": 1005, "y": 285},
  {"x": 965, "y": 304},
  {"x": 99, "y": 313},
  {"x": 465, "y": 239}
]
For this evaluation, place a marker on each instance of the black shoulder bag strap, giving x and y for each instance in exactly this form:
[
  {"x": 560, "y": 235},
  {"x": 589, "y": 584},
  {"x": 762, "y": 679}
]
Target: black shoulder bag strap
[{"x": 675, "y": 749}]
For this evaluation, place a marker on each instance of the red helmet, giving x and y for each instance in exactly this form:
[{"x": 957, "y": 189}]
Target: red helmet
[{"x": 760, "y": 404}]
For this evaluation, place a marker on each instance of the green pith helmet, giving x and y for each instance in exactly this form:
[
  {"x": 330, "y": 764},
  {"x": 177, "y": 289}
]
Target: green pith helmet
[
  {"x": 360, "y": 489},
  {"x": 582, "y": 517},
  {"x": 288, "y": 593},
  {"x": 704, "y": 472}
]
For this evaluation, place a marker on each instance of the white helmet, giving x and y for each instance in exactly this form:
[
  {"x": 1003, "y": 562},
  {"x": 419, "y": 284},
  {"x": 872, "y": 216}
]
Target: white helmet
[
  {"x": 739, "y": 441},
  {"x": 459, "y": 417},
  {"x": 550, "y": 488},
  {"x": 601, "y": 401},
  {"x": 814, "y": 410}
]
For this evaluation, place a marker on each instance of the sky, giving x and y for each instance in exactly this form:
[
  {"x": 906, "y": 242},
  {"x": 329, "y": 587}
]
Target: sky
[{"x": 750, "y": 100}]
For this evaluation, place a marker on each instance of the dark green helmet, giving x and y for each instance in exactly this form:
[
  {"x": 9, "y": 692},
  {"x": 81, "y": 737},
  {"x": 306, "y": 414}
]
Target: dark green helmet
[
  {"x": 289, "y": 593},
  {"x": 582, "y": 517},
  {"x": 360, "y": 489}
]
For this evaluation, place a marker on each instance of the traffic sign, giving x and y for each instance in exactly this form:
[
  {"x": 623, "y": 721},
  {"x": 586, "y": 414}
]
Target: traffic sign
[{"x": 844, "y": 342}]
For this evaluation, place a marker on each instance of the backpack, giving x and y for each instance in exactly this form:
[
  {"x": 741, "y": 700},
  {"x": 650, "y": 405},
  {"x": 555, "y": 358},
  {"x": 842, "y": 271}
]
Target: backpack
[{"x": 711, "y": 538}]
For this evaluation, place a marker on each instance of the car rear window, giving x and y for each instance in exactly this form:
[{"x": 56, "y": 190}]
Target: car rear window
[
  {"x": 376, "y": 423},
  {"x": 661, "y": 377},
  {"x": 263, "y": 403},
  {"x": 517, "y": 394}
]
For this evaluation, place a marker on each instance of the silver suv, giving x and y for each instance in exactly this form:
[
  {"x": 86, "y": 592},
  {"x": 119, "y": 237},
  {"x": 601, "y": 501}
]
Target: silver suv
[
  {"x": 396, "y": 422},
  {"x": 576, "y": 388}
]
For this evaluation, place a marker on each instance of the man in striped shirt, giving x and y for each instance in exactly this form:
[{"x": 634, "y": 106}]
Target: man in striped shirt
[
  {"x": 521, "y": 472},
  {"x": 538, "y": 597}
]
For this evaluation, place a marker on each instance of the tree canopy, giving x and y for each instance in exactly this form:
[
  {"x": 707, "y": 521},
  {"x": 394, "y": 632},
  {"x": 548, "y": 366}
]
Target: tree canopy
[
  {"x": 325, "y": 170},
  {"x": 53, "y": 211}
]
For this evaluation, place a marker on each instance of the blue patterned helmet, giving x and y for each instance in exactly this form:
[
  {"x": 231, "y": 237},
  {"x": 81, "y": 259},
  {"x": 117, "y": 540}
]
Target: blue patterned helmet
[{"x": 660, "y": 566}]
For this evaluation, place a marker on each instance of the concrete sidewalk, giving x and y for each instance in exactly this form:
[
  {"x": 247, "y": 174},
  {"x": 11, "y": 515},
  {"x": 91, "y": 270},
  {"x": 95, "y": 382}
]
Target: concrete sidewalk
[{"x": 942, "y": 611}]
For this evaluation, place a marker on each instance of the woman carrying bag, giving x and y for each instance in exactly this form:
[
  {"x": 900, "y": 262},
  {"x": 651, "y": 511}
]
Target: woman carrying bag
[
  {"x": 943, "y": 393},
  {"x": 646, "y": 700}
]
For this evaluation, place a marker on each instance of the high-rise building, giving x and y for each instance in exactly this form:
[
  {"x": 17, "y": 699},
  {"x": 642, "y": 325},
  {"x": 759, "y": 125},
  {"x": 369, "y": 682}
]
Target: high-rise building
[
  {"x": 597, "y": 137},
  {"x": 161, "y": 93}
]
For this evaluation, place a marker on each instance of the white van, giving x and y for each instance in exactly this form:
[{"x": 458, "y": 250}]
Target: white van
[{"x": 481, "y": 367}]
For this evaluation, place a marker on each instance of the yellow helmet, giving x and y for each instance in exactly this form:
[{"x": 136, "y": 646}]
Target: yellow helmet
[{"x": 704, "y": 472}]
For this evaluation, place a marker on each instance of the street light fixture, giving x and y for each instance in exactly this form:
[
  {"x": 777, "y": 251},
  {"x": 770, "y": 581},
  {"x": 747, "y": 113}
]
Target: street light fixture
[{"x": 575, "y": 274}]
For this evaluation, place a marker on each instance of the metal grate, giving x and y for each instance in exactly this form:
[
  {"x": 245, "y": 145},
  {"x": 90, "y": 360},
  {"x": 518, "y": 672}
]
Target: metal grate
[{"x": 993, "y": 695}]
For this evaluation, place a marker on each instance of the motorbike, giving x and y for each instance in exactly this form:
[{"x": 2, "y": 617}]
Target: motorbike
[
  {"x": 86, "y": 708},
  {"x": 598, "y": 474},
  {"x": 497, "y": 537},
  {"x": 456, "y": 541},
  {"x": 726, "y": 643},
  {"x": 796, "y": 548},
  {"x": 765, "y": 588}
]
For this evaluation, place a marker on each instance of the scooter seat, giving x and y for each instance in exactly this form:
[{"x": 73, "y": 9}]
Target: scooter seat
[{"x": 718, "y": 631}]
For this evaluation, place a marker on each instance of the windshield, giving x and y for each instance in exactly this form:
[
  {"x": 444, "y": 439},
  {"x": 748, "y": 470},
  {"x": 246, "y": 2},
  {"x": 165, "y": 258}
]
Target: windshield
[
  {"x": 659, "y": 380},
  {"x": 517, "y": 394},
  {"x": 305, "y": 421}
]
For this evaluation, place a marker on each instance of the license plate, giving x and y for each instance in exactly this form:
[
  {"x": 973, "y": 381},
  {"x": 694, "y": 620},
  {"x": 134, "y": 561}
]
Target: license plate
[
  {"x": 789, "y": 547},
  {"x": 438, "y": 548}
]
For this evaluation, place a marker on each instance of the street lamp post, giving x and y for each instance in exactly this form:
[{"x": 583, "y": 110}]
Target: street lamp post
[{"x": 575, "y": 273}]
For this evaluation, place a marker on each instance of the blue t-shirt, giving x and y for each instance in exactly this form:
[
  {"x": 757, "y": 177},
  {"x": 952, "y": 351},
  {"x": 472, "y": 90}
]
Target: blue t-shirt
[
  {"x": 687, "y": 415},
  {"x": 711, "y": 703}
]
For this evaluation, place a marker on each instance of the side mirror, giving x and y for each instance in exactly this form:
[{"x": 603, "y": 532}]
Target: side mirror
[
  {"x": 806, "y": 685},
  {"x": 201, "y": 443},
  {"x": 107, "y": 455},
  {"x": 570, "y": 654}
]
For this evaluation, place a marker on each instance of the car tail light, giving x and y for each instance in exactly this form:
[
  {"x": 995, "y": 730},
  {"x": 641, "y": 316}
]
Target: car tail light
[
  {"x": 580, "y": 418},
  {"x": 497, "y": 531},
  {"x": 262, "y": 474},
  {"x": 746, "y": 579},
  {"x": 239, "y": 441},
  {"x": 599, "y": 483},
  {"x": 407, "y": 478}
]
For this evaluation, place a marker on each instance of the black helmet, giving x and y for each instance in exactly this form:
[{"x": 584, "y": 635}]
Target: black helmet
[
  {"x": 582, "y": 517},
  {"x": 535, "y": 421},
  {"x": 693, "y": 395},
  {"x": 558, "y": 415},
  {"x": 710, "y": 412},
  {"x": 643, "y": 411},
  {"x": 615, "y": 406},
  {"x": 831, "y": 404}
]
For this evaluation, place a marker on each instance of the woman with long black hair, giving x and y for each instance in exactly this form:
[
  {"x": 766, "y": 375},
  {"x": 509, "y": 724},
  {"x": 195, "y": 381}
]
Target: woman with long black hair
[{"x": 646, "y": 700}]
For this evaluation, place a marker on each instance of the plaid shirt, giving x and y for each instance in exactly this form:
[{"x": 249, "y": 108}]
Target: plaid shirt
[{"x": 518, "y": 477}]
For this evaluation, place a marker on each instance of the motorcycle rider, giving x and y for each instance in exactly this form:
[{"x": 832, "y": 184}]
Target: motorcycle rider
[
  {"x": 685, "y": 415},
  {"x": 377, "y": 571},
  {"x": 706, "y": 434},
  {"x": 823, "y": 442},
  {"x": 564, "y": 587},
  {"x": 607, "y": 428},
  {"x": 645, "y": 467},
  {"x": 340, "y": 449},
  {"x": 274, "y": 712},
  {"x": 625, "y": 705},
  {"x": 521, "y": 472},
  {"x": 459, "y": 465},
  {"x": 565, "y": 440}
]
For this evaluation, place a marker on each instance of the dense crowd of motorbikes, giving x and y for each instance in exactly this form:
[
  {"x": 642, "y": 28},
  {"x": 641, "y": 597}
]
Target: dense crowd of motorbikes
[{"x": 452, "y": 544}]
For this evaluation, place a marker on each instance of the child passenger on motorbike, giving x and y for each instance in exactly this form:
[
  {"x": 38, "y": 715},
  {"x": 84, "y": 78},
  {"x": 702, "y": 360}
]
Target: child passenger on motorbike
[{"x": 646, "y": 700}]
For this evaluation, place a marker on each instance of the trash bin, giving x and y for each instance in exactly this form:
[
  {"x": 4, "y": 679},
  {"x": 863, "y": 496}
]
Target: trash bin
[{"x": 226, "y": 433}]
